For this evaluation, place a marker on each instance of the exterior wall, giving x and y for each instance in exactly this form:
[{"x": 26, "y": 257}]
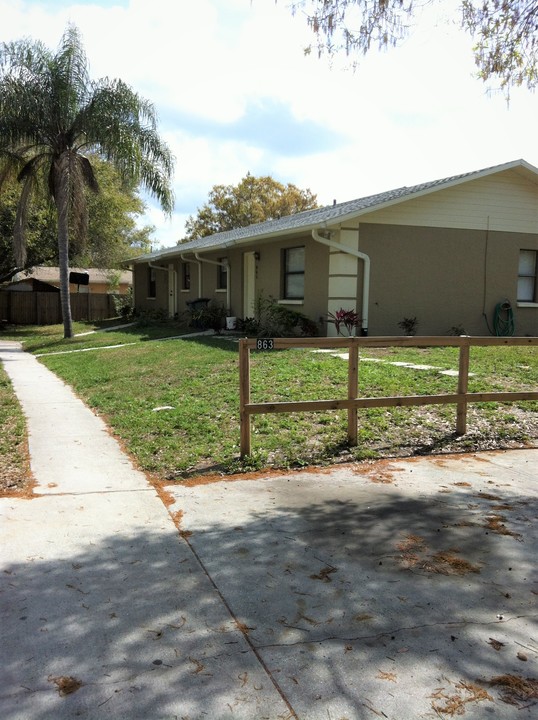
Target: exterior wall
[
  {"x": 448, "y": 278},
  {"x": 140, "y": 283},
  {"x": 507, "y": 201},
  {"x": 445, "y": 277},
  {"x": 447, "y": 257},
  {"x": 268, "y": 279},
  {"x": 269, "y": 276},
  {"x": 100, "y": 288}
]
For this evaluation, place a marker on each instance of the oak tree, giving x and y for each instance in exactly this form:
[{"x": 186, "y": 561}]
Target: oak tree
[
  {"x": 252, "y": 200},
  {"x": 113, "y": 233},
  {"x": 504, "y": 32}
]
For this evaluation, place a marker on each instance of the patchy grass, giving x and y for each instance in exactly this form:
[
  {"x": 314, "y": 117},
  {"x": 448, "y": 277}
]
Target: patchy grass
[
  {"x": 175, "y": 403},
  {"x": 14, "y": 461}
]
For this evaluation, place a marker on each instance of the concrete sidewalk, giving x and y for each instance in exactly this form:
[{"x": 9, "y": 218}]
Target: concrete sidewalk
[
  {"x": 97, "y": 585},
  {"x": 395, "y": 589}
]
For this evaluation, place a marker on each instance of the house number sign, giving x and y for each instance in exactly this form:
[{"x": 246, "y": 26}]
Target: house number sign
[{"x": 265, "y": 344}]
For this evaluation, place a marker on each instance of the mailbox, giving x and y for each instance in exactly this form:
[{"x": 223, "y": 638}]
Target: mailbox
[{"x": 79, "y": 278}]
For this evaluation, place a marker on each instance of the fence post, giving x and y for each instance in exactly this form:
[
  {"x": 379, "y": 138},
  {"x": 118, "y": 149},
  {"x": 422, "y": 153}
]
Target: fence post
[
  {"x": 244, "y": 396},
  {"x": 352, "y": 387},
  {"x": 463, "y": 383}
]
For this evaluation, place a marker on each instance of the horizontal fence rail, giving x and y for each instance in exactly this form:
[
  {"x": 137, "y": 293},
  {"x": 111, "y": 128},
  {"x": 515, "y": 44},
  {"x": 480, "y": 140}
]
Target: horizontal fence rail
[{"x": 461, "y": 398}]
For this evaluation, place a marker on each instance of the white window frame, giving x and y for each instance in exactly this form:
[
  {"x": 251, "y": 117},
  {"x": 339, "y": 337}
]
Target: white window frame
[
  {"x": 292, "y": 299},
  {"x": 527, "y": 277}
]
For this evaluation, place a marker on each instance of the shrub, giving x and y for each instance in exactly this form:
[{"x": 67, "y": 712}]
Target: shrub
[
  {"x": 150, "y": 317},
  {"x": 123, "y": 304},
  {"x": 409, "y": 325},
  {"x": 211, "y": 317},
  {"x": 348, "y": 318},
  {"x": 274, "y": 320}
]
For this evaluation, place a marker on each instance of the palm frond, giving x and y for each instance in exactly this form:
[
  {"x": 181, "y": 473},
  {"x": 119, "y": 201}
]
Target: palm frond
[
  {"x": 21, "y": 221},
  {"x": 87, "y": 173},
  {"x": 52, "y": 114}
]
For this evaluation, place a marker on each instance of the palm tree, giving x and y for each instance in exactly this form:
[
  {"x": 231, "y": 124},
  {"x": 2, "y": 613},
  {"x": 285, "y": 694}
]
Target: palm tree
[{"x": 52, "y": 116}]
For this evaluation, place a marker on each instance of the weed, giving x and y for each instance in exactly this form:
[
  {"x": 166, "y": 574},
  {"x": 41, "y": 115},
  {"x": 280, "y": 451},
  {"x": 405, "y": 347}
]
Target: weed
[{"x": 409, "y": 325}]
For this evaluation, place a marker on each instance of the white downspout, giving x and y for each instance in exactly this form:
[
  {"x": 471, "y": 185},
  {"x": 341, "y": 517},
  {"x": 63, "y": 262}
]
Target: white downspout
[
  {"x": 227, "y": 269},
  {"x": 365, "y": 276}
]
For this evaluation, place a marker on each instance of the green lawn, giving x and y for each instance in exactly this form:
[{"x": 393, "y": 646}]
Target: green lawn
[{"x": 197, "y": 381}]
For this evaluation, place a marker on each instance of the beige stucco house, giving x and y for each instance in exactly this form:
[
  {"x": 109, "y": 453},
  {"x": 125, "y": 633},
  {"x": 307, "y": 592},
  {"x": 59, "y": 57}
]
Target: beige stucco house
[
  {"x": 448, "y": 252},
  {"x": 99, "y": 281}
]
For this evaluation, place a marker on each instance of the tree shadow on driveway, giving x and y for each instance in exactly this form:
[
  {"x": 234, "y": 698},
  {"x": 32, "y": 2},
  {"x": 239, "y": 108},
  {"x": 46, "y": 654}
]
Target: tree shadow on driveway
[
  {"x": 387, "y": 600},
  {"x": 309, "y": 596},
  {"x": 119, "y": 625}
]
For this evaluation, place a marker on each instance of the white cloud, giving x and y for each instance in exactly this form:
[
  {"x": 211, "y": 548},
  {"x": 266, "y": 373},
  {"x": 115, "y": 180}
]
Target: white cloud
[{"x": 216, "y": 70}]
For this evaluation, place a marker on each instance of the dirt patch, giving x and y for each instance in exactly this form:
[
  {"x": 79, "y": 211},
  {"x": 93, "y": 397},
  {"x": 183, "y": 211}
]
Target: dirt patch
[
  {"x": 453, "y": 703},
  {"x": 66, "y": 684},
  {"x": 412, "y": 543},
  {"x": 414, "y": 556},
  {"x": 384, "y": 478},
  {"x": 488, "y": 496},
  {"x": 516, "y": 690},
  {"x": 324, "y": 574},
  {"x": 211, "y": 479},
  {"x": 496, "y": 524},
  {"x": 448, "y": 563},
  {"x": 380, "y": 471}
]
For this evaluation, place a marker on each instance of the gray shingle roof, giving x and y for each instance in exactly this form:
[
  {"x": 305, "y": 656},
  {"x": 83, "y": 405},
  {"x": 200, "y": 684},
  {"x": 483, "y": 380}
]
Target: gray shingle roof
[{"x": 329, "y": 214}]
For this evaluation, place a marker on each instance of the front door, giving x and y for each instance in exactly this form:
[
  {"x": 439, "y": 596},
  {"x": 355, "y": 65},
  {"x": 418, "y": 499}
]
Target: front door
[
  {"x": 249, "y": 284},
  {"x": 172, "y": 291}
]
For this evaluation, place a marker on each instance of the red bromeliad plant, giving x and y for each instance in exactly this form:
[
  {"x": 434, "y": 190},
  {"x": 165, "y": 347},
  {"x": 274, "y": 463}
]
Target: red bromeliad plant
[{"x": 348, "y": 318}]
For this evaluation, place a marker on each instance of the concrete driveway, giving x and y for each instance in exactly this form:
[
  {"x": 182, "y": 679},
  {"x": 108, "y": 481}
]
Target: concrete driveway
[{"x": 397, "y": 589}]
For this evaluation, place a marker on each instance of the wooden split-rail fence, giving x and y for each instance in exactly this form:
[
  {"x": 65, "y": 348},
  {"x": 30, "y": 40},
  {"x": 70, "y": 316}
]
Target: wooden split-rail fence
[{"x": 461, "y": 398}]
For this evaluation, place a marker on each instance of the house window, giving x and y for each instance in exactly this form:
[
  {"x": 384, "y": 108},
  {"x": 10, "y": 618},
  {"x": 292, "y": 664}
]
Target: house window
[
  {"x": 222, "y": 274},
  {"x": 293, "y": 276},
  {"x": 186, "y": 276},
  {"x": 526, "y": 281},
  {"x": 152, "y": 284}
]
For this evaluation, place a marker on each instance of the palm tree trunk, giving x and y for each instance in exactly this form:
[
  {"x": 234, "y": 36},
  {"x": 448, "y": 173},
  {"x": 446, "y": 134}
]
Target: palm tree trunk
[{"x": 62, "y": 207}]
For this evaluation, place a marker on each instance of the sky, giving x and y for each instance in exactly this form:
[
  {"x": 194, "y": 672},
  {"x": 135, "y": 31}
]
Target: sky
[{"x": 235, "y": 93}]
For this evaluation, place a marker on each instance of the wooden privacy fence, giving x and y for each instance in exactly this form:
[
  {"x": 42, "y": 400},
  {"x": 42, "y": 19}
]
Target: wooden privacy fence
[
  {"x": 43, "y": 308},
  {"x": 352, "y": 403}
]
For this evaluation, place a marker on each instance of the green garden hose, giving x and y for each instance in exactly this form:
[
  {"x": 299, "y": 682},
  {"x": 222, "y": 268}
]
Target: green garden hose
[{"x": 503, "y": 319}]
